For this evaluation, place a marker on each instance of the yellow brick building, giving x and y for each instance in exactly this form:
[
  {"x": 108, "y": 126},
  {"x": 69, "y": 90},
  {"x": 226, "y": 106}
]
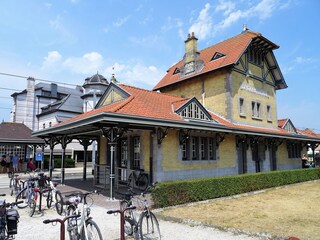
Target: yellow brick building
[{"x": 213, "y": 114}]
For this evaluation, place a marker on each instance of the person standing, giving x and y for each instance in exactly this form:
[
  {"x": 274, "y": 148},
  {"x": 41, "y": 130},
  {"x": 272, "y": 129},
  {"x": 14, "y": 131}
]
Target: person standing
[
  {"x": 8, "y": 164},
  {"x": 3, "y": 163},
  {"x": 15, "y": 162},
  {"x": 304, "y": 161}
]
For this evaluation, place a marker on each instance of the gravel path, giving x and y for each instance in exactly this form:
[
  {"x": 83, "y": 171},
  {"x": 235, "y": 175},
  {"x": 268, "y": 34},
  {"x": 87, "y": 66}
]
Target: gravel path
[{"x": 32, "y": 228}]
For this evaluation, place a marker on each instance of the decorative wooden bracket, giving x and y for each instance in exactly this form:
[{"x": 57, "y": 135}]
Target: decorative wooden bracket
[
  {"x": 183, "y": 136},
  {"x": 274, "y": 142},
  {"x": 51, "y": 142},
  {"x": 220, "y": 138},
  {"x": 113, "y": 134},
  {"x": 64, "y": 141},
  {"x": 242, "y": 139},
  {"x": 161, "y": 134}
]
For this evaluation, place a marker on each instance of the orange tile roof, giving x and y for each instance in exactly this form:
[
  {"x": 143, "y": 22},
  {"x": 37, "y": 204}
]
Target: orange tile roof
[
  {"x": 232, "y": 48},
  {"x": 151, "y": 104},
  {"x": 282, "y": 122}
]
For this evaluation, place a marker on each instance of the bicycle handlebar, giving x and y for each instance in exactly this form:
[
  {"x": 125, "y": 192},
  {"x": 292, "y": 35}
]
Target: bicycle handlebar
[
  {"x": 46, "y": 221},
  {"x": 119, "y": 211}
]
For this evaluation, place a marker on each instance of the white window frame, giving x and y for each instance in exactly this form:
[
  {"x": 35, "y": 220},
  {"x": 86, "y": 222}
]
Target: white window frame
[
  {"x": 256, "y": 110},
  {"x": 269, "y": 113},
  {"x": 242, "y": 107}
]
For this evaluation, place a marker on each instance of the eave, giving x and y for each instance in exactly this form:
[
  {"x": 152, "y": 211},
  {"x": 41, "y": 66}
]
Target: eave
[{"x": 91, "y": 126}]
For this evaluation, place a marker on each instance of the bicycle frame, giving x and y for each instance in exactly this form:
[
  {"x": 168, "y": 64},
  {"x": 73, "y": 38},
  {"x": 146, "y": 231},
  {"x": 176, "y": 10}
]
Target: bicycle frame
[
  {"x": 82, "y": 211},
  {"x": 61, "y": 221}
]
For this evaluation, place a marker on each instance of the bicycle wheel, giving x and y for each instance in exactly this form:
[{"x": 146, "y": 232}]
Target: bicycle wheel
[
  {"x": 49, "y": 199},
  {"x": 149, "y": 226},
  {"x": 32, "y": 207},
  {"x": 93, "y": 231},
  {"x": 72, "y": 225},
  {"x": 11, "y": 182},
  {"x": 12, "y": 189},
  {"x": 143, "y": 181},
  {"x": 59, "y": 202},
  {"x": 22, "y": 196}
]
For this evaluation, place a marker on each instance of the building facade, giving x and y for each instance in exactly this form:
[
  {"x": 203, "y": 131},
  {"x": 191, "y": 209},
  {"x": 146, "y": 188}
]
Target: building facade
[
  {"x": 213, "y": 114},
  {"x": 43, "y": 105}
]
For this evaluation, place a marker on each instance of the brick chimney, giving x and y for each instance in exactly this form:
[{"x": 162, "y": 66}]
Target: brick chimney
[{"x": 191, "y": 49}]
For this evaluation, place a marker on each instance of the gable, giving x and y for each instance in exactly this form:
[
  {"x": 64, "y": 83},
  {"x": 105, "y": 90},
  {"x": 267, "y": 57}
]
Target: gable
[
  {"x": 113, "y": 94},
  {"x": 260, "y": 63},
  {"x": 289, "y": 127},
  {"x": 193, "y": 109}
]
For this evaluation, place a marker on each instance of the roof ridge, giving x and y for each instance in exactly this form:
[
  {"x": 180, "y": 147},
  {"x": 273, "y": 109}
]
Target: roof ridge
[
  {"x": 221, "y": 42},
  {"x": 151, "y": 91},
  {"x": 126, "y": 102}
]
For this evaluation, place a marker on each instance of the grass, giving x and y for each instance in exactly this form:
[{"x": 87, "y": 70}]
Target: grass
[{"x": 288, "y": 211}]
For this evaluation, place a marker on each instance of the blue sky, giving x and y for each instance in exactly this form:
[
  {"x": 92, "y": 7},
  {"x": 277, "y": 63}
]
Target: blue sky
[{"x": 67, "y": 41}]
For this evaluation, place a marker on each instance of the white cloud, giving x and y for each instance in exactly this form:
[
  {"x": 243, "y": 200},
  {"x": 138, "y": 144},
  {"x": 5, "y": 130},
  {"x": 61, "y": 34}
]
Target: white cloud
[
  {"x": 121, "y": 21},
  {"x": 172, "y": 24},
  {"x": 48, "y": 5},
  {"x": 301, "y": 60},
  {"x": 203, "y": 24},
  {"x": 148, "y": 41},
  {"x": 63, "y": 33},
  {"x": 264, "y": 9},
  {"x": 226, "y": 6},
  {"x": 87, "y": 64},
  {"x": 137, "y": 74},
  {"x": 51, "y": 60}
]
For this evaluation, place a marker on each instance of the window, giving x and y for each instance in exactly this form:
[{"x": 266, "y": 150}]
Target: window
[
  {"x": 269, "y": 114},
  {"x": 217, "y": 55},
  {"x": 294, "y": 150},
  {"x": 194, "y": 111},
  {"x": 177, "y": 70},
  {"x": 242, "y": 107},
  {"x": 198, "y": 148},
  {"x": 255, "y": 56},
  {"x": 124, "y": 153},
  {"x": 194, "y": 148},
  {"x": 136, "y": 153},
  {"x": 50, "y": 124},
  {"x": 44, "y": 126},
  {"x": 256, "y": 110}
]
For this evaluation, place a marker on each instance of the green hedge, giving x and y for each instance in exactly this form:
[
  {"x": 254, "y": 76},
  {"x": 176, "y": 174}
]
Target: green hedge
[
  {"x": 69, "y": 163},
  {"x": 185, "y": 191}
]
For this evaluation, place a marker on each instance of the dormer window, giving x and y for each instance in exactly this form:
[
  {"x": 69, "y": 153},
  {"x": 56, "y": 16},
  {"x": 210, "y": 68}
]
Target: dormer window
[
  {"x": 189, "y": 67},
  {"x": 194, "y": 110},
  {"x": 217, "y": 55},
  {"x": 177, "y": 70}
]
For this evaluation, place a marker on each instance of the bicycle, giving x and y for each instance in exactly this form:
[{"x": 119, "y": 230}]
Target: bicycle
[
  {"x": 139, "y": 179},
  {"x": 9, "y": 218},
  {"x": 14, "y": 184},
  {"x": 26, "y": 192},
  {"x": 147, "y": 226},
  {"x": 53, "y": 191},
  {"x": 84, "y": 227},
  {"x": 122, "y": 212},
  {"x": 61, "y": 221}
]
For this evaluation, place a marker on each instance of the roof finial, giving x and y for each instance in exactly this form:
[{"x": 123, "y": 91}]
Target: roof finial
[
  {"x": 113, "y": 79},
  {"x": 245, "y": 28}
]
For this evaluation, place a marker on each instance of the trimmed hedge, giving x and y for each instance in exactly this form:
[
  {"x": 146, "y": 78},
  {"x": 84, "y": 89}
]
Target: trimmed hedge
[
  {"x": 185, "y": 191},
  {"x": 69, "y": 163}
]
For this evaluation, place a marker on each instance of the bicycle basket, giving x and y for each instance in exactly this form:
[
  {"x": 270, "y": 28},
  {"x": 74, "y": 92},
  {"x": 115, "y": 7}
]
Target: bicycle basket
[{"x": 12, "y": 221}]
